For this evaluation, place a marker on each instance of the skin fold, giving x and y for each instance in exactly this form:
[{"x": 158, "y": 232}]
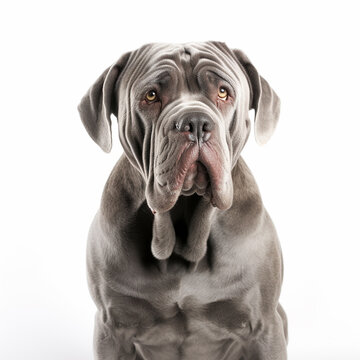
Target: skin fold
[{"x": 183, "y": 259}]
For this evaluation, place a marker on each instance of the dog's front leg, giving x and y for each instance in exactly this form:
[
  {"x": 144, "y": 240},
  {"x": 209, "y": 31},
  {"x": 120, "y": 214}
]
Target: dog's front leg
[
  {"x": 271, "y": 343},
  {"x": 112, "y": 342}
]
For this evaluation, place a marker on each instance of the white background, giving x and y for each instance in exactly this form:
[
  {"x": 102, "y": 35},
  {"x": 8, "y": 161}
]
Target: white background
[{"x": 52, "y": 174}]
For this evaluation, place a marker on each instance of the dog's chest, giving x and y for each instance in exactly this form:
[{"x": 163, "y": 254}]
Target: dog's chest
[
  {"x": 204, "y": 317},
  {"x": 186, "y": 337}
]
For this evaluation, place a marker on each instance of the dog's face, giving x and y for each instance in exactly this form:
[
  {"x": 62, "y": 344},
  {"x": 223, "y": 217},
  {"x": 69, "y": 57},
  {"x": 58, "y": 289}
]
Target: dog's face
[{"x": 183, "y": 117}]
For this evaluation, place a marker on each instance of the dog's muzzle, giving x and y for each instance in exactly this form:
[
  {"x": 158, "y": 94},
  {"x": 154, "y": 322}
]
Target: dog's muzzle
[{"x": 191, "y": 156}]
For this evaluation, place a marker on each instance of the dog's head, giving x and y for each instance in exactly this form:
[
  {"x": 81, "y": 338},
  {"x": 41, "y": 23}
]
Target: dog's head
[{"x": 183, "y": 115}]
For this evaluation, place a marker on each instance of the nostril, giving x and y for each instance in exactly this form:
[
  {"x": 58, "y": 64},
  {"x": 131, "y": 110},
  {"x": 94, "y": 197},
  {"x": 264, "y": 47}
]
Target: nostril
[
  {"x": 195, "y": 126},
  {"x": 206, "y": 136},
  {"x": 184, "y": 127}
]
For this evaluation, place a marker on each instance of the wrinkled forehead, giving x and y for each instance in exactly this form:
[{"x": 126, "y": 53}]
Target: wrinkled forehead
[{"x": 155, "y": 61}]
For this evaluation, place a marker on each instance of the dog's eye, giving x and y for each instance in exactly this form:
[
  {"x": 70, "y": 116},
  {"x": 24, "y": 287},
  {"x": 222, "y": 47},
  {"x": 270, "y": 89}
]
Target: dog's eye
[
  {"x": 222, "y": 93},
  {"x": 151, "y": 96}
]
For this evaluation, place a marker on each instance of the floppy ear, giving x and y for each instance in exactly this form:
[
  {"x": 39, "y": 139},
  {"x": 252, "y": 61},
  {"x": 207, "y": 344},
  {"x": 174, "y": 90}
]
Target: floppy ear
[
  {"x": 264, "y": 100},
  {"x": 98, "y": 104}
]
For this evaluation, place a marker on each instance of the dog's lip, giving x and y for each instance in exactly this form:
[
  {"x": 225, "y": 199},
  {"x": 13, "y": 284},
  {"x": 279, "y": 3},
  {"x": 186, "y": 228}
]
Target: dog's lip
[
  {"x": 211, "y": 167},
  {"x": 205, "y": 191},
  {"x": 219, "y": 183},
  {"x": 196, "y": 179},
  {"x": 187, "y": 157}
]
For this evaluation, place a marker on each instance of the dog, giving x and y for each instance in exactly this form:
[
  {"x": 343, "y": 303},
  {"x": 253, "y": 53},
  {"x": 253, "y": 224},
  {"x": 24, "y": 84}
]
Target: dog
[{"x": 183, "y": 260}]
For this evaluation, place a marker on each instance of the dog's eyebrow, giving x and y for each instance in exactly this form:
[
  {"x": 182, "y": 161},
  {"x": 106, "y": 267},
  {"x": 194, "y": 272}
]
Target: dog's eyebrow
[
  {"x": 220, "y": 75},
  {"x": 162, "y": 76},
  {"x": 159, "y": 77}
]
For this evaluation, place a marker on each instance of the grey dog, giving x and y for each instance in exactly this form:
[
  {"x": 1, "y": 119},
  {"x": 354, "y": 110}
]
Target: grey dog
[{"x": 183, "y": 260}]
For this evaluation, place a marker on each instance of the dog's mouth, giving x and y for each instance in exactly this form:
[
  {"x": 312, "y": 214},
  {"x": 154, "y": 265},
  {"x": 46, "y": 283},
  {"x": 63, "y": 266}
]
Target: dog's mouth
[
  {"x": 200, "y": 170},
  {"x": 196, "y": 180},
  {"x": 185, "y": 167}
]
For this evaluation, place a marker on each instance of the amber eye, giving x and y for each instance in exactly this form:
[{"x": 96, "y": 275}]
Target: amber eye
[
  {"x": 151, "y": 96},
  {"x": 222, "y": 93}
]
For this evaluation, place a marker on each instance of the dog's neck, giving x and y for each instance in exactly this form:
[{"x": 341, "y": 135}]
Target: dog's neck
[{"x": 184, "y": 230}]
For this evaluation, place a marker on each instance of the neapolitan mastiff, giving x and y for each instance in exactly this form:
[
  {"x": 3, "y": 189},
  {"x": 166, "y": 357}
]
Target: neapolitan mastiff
[{"x": 183, "y": 259}]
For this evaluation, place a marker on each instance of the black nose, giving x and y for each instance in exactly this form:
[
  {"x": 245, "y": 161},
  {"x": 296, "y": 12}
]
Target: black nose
[{"x": 197, "y": 126}]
